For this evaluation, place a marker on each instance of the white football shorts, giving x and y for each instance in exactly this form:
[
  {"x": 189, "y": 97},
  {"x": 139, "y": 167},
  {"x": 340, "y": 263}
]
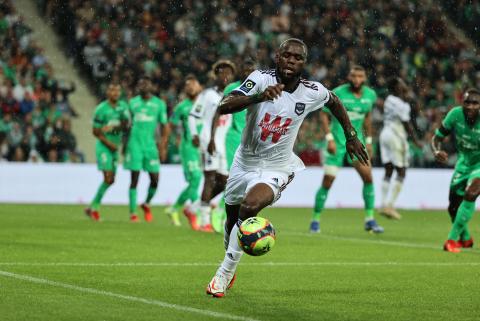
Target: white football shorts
[
  {"x": 241, "y": 180},
  {"x": 394, "y": 148}
]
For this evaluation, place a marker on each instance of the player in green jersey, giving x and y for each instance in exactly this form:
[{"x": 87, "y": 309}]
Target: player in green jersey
[
  {"x": 232, "y": 139},
  {"x": 359, "y": 100},
  {"x": 190, "y": 156},
  {"x": 110, "y": 121},
  {"x": 147, "y": 112},
  {"x": 464, "y": 122}
]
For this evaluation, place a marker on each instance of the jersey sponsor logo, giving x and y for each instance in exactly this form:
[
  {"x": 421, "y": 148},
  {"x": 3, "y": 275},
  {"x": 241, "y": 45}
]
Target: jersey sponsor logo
[
  {"x": 274, "y": 128},
  {"x": 223, "y": 120},
  {"x": 144, "y": 118},
  {"x": 299, "y": 108},
  {"x": 247, "y": 85},
  {"x": 355, "y": 115}
]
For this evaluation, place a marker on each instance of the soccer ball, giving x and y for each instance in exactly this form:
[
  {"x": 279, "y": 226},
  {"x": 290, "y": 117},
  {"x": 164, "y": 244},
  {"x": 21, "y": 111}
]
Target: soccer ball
[{"x": 256, "y": 236}]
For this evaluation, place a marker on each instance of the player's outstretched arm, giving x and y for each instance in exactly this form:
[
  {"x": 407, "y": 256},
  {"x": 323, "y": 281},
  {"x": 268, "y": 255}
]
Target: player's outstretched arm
[
  {"x": 325, "y": 123},
  {"x": 98, "y": 132},
  {"x": 408, "y": 125},
  {"x": 237, "y": 101},
  {"x": 192, "y": 126},
  {"x": 368, "y": 130},
  {"x": 211, "y": 145},
  {"x": 164, "y": 141},
  {"x": 353, "y": 145},
  {"x": 440, "y": 155}
]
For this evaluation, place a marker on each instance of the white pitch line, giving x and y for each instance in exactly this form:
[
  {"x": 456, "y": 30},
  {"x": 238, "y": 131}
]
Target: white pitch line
[
  {"x": 269, "y": 264},
  {"x": 353, "y": 239},
  {"x": 125, "y": 297}
]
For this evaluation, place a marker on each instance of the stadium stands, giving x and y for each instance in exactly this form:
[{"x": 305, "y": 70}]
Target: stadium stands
[
  {"x": 167, "y": 40},
  {"x": 35, "y": 114}
]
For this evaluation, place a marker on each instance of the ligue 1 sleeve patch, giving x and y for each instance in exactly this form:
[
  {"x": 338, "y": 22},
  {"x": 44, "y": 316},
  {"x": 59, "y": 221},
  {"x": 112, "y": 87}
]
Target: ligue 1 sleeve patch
[{"x": 247, "y": 86}]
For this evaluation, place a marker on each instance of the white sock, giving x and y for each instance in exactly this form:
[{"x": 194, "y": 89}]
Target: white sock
[
  {"x": 195, "y": 206},
  {"x": 204, "y": 214},
  {"x": 397, "y": 187},
  {"x": 232, "y": 255},
  {"x": 385, "y": 189}
]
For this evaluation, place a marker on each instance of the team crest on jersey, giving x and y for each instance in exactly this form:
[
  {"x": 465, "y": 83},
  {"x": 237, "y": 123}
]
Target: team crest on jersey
[
  {"x": 299, "y": 108},
  {"x": 247, "y": 85}
]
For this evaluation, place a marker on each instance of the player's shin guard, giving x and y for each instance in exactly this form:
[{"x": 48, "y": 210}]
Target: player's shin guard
[
  {"x": 132, "y": 200},
  {"x": 464, "y": 215},
  {"x": 233, "y": 253},
  {"x": 397, "y": 187},
  {"x": 193, "y": 186},
  {"x": 369, "y": 200},
  {"x": 385, "y": 189},
  {"x": 150, "y": 194},
  {"x": 204, "y": 214},
  {"x": 99, "y": 195},
  {"x": 320, "y": 199}
]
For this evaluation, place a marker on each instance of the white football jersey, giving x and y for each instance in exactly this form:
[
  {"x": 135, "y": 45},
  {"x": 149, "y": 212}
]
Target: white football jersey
[
  {"x": 272, "y": 126},
  {"x": 204, "y": 110},
  {"x": 396, "y": 111}
]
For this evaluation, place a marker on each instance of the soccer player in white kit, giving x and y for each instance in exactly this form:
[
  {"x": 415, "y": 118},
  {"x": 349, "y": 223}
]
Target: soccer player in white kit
[
  {"x": 215, "y": 168},
  {"x": 277, "y": 102},
  {"x": 394, "y": 146}
]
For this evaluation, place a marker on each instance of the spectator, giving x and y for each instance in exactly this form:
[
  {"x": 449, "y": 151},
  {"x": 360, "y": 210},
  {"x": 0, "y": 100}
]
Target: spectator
[
  {"x": 406, "y": 38},
  {"x": 28, "y": 91}
]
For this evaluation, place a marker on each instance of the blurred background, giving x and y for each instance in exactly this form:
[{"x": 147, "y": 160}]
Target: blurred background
[{"x": 58, "y": 56}]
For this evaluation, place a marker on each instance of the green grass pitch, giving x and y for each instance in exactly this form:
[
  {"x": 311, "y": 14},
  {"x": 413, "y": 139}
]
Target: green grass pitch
[{"x": 55, "y": 264}]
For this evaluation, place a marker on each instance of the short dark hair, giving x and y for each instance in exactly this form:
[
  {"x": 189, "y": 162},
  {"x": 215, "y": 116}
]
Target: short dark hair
[
  {"x": 223, "y": 63},
  {"x": 472, "y": 91},
  {"x": 145, "y": 77},
  {"x": 392, "y": 83},
  {"x": 298, "y": 42},
  {"x": 114, "y": 83},
  {"x": 190, "y": 77},
  {"x": 357, "y": 68}
]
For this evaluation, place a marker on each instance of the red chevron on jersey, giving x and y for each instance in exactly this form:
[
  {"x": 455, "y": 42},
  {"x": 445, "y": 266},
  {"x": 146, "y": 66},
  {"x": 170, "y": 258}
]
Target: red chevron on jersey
[{"x": 273, "y": 128}]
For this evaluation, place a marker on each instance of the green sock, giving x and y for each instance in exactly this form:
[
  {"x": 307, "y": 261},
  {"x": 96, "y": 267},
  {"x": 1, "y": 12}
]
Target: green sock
[
  {"x": 465, "y": 235},
  {"x": 320, "y": 199},
  {"x": 132, "y": 197},
  {"x": 190, "y": 192},
  {"x": 221, "y": 204},
  {"x": 99, "y": 195},
  {"x": 369, "y": 200},
  {"x": 464, "y": 214},
  {"x": 150, "y": 194}
]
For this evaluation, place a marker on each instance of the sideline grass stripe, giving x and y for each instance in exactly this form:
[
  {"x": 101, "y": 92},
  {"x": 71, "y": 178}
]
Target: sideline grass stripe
[
  {"x": 269, "y": 264},
  {"x": 125, "y": 297}
]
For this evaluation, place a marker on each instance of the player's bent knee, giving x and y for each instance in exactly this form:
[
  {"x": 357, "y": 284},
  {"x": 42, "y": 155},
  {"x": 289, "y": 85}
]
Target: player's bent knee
[
  {"x": 473, "y": 190},
  {"x": 331, "y": 170},
  {"x": 471, "y": 195},
  {"x": 249, "y": 208}
]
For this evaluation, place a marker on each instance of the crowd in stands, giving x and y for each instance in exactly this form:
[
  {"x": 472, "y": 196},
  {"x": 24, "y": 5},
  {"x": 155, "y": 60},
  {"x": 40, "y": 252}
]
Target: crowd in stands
[
  {"x": 35, "y": 114},
  {"x": 121, "y": 40},
  {"x": 465, "y": 14}
]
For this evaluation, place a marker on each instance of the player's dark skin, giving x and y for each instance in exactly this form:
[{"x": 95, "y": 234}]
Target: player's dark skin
[
  {"x": 357, "y": 79},
  {"x": 401, "y": 90},
  {"x": 247, "y": 69},
  {"x": 214, "y": 182},
  {"x": 145, "y": 89},
  {"x": 113, "y": 95},
  {"x": 471, "y": 111},
  {"x": 290, "y": 60}
]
